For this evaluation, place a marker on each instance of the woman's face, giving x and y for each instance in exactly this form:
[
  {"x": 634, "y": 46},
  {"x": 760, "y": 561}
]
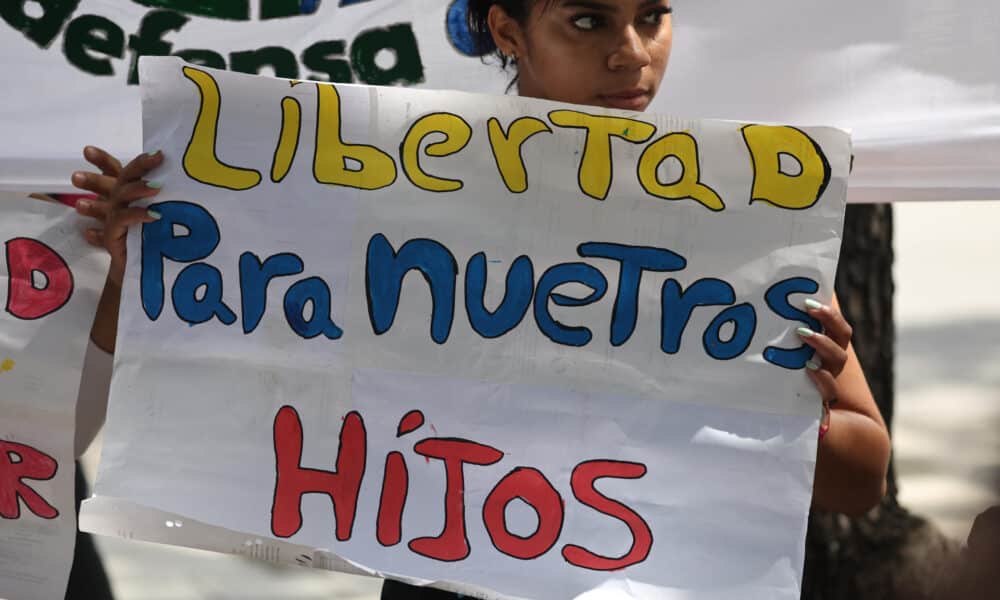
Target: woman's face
[{"x": 610, "y": 53}]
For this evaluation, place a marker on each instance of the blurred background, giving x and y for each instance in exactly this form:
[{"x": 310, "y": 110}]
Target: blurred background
[{"x": 946, "y": 428}]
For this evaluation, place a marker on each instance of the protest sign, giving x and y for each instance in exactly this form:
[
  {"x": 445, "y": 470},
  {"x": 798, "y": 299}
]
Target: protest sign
[
  {"x": 915, "y": 81},
  {"x": 49, "y": 279},
  {"x": 520, "y": 347}
]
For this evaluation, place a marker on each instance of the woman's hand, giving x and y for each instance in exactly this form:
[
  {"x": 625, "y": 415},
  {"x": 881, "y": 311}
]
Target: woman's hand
[
  {"x": 854, "y": 451},
  {"x": 831, "y": 351},
  {"x": 116, "y": 188}
]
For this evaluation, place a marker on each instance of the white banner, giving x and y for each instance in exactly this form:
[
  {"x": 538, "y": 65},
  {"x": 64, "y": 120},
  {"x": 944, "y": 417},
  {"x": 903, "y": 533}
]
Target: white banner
[
  {"x": 916, "y": 82},
  {"x": 486, "y": 341},
  {"x": 49, "y": 280}
]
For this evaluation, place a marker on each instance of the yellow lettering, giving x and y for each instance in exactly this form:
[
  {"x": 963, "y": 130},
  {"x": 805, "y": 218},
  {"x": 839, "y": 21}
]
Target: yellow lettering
[
  {"x": 330, "y": 162},
  {"x": 201, "y": 162},
  {"x": 771, "y": 184},
  {"x": 596, "y": 169},
  {"x": 684, "y": 148},
  {"x": 288, "y": 142},
  {"x": 507, "y": 149},
  {"x": 457, "y": 134}
]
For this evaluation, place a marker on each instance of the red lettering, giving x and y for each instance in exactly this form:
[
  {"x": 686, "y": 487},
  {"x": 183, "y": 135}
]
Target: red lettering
[
  {"x": 582, "y": 482},
  {"x": 19, "y": 462},
  {"x": 533, "y": 488},
  {"x": 25, "y": 257},
  {"x": 390, "y": 508},
  {"x": 452, "y": 544},
  {"x": 292, "y": 481},
  {"x": 410, "y": 422}
]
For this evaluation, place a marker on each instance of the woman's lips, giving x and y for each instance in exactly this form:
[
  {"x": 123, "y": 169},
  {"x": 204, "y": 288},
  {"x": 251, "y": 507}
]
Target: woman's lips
[{"x": 636, "y": 99}]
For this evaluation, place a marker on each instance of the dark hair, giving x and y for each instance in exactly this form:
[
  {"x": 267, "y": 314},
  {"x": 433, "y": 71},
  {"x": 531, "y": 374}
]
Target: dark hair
[{"x": 479, "y": 26}]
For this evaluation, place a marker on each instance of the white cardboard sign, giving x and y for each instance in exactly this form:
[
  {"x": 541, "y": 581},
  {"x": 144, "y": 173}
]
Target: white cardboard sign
[
  {"x": 523, "y": 348},
  {"x": 49, "y": 279}
]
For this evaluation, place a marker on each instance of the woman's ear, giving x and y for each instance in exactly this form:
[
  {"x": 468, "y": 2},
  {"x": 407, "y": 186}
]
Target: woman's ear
[{"x": 506, "y": 31}]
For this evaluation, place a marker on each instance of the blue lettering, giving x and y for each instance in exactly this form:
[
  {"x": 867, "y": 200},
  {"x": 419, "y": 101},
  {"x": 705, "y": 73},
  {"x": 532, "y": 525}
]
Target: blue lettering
[
  {"x": 384, "y": 272},
  {"x": 254, "y": 279},
  {"x": 189, "y": 307},
  {"x": 744, "y": 320},
  {"x": 559, "y": 275},
  {"x": 777, "y": 300},
  {"x": 634, "y": 260},
  {"x": 200, "y": 239},
  {"x": 516, "y": 299},
  {"x": 678, "y": 304},
  {"x": 311, "y": 291}
]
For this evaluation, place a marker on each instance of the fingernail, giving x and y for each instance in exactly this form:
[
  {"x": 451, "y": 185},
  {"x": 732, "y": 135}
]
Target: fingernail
[
  {"x": 153, "y": 153},
  {"x": 810, "y": 303},
  {"x": 84, "y": 204},
  {"x": 805, "y": 332},
  {"x": 812, "y": 366},
  {"x": 155, "y": 185},
  {"x": 152, "y": 214},
  {"x": 78, "y": 177}
]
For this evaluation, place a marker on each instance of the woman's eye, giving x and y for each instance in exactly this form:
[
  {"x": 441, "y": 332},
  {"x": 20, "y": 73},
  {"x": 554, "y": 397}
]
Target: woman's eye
[
  {"x": 586, "y": 23},
  {"x": 656, "y": 17}
]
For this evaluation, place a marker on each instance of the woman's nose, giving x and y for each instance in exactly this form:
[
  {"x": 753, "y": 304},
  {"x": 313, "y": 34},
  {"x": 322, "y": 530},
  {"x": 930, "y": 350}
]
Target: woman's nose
[{"x": 630, "y": 54}]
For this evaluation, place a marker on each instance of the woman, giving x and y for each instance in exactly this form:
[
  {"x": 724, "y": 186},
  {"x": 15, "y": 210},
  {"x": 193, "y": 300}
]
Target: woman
[{"x": 610, "y": 53}]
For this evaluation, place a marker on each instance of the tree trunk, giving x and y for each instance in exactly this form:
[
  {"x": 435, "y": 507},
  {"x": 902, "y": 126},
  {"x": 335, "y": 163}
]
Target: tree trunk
[{"x": 889, "y": 553}]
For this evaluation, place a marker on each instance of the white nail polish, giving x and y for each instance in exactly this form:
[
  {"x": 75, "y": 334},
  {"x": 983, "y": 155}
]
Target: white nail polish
[{"x": 810, "y": 303}]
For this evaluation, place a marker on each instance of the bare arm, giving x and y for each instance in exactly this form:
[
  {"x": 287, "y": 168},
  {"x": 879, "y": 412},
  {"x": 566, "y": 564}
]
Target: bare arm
[
  {"x": 116, "y": 187},
  {"x": 854, "y": 454}
]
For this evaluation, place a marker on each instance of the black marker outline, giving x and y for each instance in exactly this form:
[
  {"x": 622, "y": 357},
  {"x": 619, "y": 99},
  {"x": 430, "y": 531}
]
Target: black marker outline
[
  {"x": 482, "y": 297},
  {"x": 716, "y": 325},
  {"x": 506, "y": 140},
  {"x": 503, "y": 512},
  {"x": 31, "y": 283},
  {"x": 281, "y": 137},
  {"x": 18, "y": 498},
  {"x": 553, "y": 115},
  {"x": 340, "y": 140},
  {"x": 684, "y": 171},
  {"x": 429, "y": 148},
  {"x": 424, "y": 274},
  {"x": 215, "y": 137},
  {"x": 827, "y": 170}
]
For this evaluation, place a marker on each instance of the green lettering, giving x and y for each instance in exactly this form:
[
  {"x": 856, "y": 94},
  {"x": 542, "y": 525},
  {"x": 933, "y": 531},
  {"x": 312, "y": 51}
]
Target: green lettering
[
  {"x": 149, "y": 39},
  {"x": 399, "y": 39},
  {"x": 326, "y": 58},
  {"x": 91, "y": 32},
  {"x": 41, "y": 30},
  {"x": 276, "y": 9}
]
